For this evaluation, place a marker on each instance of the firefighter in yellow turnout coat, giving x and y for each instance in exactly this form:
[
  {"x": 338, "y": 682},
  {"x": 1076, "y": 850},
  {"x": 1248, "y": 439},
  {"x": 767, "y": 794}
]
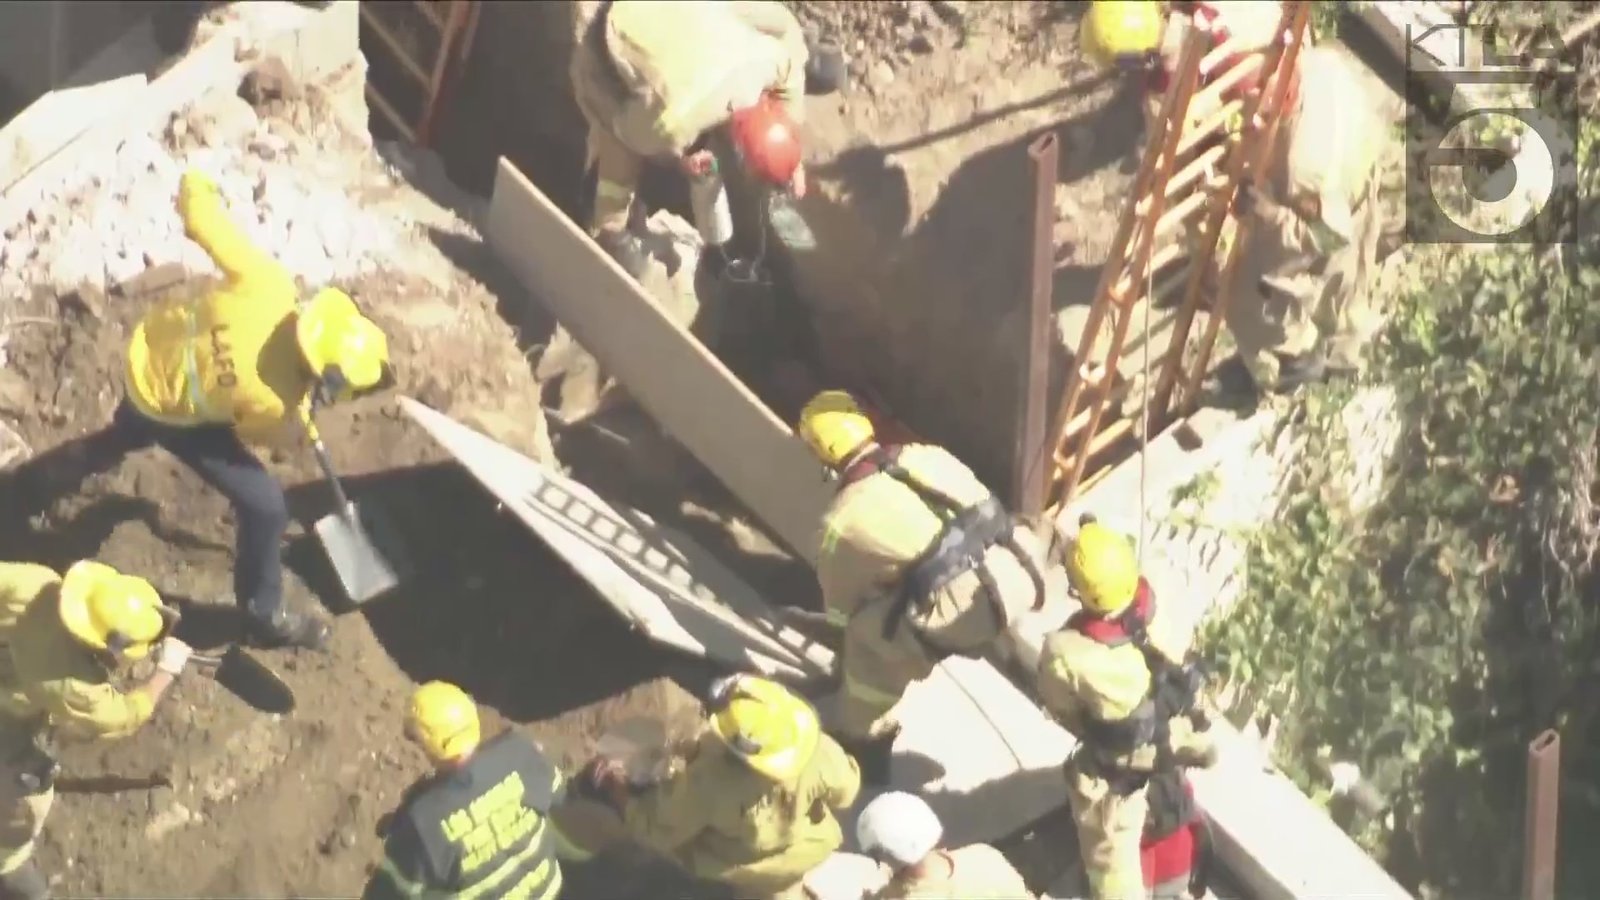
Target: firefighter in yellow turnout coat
[
  {"x": 1111, "y": 678},
  {"x": 63, "y": 643},
  {"x": 1303, "y": 301},
  {"x": 653, "y": 79},
  {"x": 238, "y": 364},
  {"x": 918, "y": 561},
  {"x": 754, "y": 804}
]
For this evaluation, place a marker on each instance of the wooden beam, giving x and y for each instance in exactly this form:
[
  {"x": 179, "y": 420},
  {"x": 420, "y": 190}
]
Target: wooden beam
[{"x": 670, "y": 374}]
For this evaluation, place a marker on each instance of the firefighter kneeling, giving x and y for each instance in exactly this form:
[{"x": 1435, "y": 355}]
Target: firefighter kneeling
[
  {"x": 1104, "y": 677},
  {"x": 66, "y": 642},
  {"x": 753, "y": 805},
  {"x": 918, "y": 562},
  {"x": 479, "y": 826}
]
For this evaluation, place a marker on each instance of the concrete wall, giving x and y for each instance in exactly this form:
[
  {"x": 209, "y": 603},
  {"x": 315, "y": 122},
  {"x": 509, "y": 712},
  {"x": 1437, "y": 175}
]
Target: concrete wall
[
  {"x": 514, "y": 100},
  {"x": 42, "y": 43}
]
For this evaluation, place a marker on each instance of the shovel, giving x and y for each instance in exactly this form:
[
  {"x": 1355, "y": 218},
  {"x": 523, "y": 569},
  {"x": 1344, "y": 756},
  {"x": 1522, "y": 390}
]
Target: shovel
[
  {"x": 348, "y": 537},
  {"x": 247, "y": 678}
]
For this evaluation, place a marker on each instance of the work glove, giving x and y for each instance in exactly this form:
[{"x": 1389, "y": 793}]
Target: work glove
[
  {"x": 195, "y": 191},
  {"x": 172, "y": 655}
]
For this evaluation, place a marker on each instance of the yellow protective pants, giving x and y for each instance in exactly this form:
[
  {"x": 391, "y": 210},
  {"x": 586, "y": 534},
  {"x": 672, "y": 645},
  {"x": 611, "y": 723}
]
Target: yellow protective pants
[
  {"x": 1111, "y": 825},
  {"x": 876, "y": 672},
  {"x": 1289, "y": 300},
  {"x": 1110, "y": 829},
  {"x": 780, "y": 876},
  {"x": 958, "y": 617},
  {"x": 22, "y": 814},
  {"x": 617, "y": 172}
]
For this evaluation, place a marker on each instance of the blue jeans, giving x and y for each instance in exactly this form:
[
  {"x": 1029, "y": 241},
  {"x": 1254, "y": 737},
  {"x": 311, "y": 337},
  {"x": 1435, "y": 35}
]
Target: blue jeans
[{"x": 216, "y": 454}]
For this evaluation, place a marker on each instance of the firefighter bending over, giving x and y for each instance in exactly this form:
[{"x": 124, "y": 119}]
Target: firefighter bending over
[
  {"x": 207, "y": 374},
  {"x": 918, "y": 562},
  {"x": 480, "y": 825},
  {"x": 753, "y": 805},
  {"x": 901, "y": 831},
  {"x": 65, "y": 641},
  {"x": 655, "y": 81},
  {"x": 1111, "y": 679}
]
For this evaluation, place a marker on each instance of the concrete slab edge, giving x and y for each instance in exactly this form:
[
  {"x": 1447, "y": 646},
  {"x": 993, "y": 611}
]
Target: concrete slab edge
[{"x": 214, "y": 65}]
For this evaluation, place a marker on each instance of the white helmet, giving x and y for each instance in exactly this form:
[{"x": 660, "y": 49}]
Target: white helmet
[{"x": 899, "y": 828}]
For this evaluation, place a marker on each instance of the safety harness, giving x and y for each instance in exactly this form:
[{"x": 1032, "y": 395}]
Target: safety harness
[
  {"x": 1171, "y": 804},
  {"x": 967, "y": 535}
]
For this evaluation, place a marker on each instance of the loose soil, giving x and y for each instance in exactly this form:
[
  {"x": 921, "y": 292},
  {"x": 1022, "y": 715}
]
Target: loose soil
[{"x": 291, "y": 806}]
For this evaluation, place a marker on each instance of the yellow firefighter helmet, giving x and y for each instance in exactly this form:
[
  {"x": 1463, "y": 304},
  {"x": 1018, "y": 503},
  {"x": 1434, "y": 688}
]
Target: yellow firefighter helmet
[
  {"x": 1103, "y": 569},
  {"x": 334, "y": 335},
  {"x": 443, "y": 720},
  {"x": 835, "y": 427},
  {"x": 1116, "y": 30},
  {"x": 106, "y": 610},
  {"x": 772, "y": 729}
]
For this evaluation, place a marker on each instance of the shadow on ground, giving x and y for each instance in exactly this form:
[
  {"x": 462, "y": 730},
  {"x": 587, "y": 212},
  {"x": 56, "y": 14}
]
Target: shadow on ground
[{"x": 489, "y": 607}]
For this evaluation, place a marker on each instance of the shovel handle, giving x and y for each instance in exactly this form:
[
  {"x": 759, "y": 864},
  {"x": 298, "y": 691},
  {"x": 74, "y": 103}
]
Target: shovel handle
[{"x": 321, "y": 450}]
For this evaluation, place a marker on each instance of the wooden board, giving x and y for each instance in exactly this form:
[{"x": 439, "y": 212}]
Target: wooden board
[
  {"x": 657, "y": 579},
  {"x": 672, "y": 376}
]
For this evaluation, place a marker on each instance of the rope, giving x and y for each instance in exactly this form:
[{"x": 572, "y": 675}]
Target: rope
[{"x": 1144, "y": 401}]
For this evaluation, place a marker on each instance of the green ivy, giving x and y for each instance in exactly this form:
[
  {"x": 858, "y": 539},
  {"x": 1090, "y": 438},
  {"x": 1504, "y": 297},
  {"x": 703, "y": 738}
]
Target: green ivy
[{"x": 1430, "y": 637}]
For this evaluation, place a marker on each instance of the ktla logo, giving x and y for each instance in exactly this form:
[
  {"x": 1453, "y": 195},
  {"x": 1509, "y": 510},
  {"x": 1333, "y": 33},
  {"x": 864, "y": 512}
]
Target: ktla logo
[{"x": 1491, "y": 149}]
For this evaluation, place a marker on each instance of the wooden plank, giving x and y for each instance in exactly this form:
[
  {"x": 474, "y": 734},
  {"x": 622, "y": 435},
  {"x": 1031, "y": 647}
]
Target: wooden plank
[
  {"x": 656, "y": 578},
  {"x": 672, "y": 376}
]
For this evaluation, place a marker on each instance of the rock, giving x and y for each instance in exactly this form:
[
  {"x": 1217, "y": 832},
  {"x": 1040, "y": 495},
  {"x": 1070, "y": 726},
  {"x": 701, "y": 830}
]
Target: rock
[
  {"x": 122, "y": 268},
  {"x": 880, "y": 76},
  {"x": 86, "y": 301}
]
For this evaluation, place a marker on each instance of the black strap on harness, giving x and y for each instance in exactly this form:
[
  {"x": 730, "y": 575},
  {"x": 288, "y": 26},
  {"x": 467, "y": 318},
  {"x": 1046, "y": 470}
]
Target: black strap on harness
[
  {"x": 959, "y": 547},
  {"x": 1172, "y": 693}
]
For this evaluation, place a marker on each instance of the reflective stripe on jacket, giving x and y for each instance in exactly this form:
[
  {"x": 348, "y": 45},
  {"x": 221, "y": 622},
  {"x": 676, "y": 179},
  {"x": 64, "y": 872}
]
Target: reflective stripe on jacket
[
  {"x": 229, "y": 356},
  {"x": 481, "y": 831}
]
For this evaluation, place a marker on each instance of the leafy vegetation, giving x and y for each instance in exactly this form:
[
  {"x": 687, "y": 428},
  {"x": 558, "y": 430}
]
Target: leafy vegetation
[{"x": 1431, "y": 636}]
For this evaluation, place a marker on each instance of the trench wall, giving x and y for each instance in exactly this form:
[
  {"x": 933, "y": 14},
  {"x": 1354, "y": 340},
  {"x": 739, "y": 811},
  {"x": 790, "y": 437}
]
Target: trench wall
[{"x": 917, "y": 286}]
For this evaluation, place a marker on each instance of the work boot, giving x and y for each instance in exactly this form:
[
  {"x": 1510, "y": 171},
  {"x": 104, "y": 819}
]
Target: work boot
[
  {"x": 626, "y": 249},
  {"x": 825, "y": 67},
  {"x": 1302, "y": 368},
  {"x": 289, "y": 629},
  {"x": 874, "y": 755},
  {"x": 25, "y": 882}
]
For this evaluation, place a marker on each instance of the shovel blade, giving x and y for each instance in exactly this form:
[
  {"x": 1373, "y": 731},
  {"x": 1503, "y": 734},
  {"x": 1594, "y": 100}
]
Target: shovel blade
[
  {"x": 355, "y": 549},
  {"x": 247, "y": 678}
]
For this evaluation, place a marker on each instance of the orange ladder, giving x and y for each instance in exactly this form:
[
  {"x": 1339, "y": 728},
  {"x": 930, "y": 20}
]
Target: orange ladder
[
  {"x": 1190, "y": 175},
  {"x": 453, "y": 24}
]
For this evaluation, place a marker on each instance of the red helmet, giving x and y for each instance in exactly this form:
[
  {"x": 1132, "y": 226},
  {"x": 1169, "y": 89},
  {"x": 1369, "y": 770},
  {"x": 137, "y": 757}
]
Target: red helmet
[{"x": 767, "y": 141}]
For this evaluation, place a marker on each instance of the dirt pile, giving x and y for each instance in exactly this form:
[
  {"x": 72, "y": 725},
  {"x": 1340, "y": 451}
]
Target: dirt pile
[{"x": 290, "y": 806}]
